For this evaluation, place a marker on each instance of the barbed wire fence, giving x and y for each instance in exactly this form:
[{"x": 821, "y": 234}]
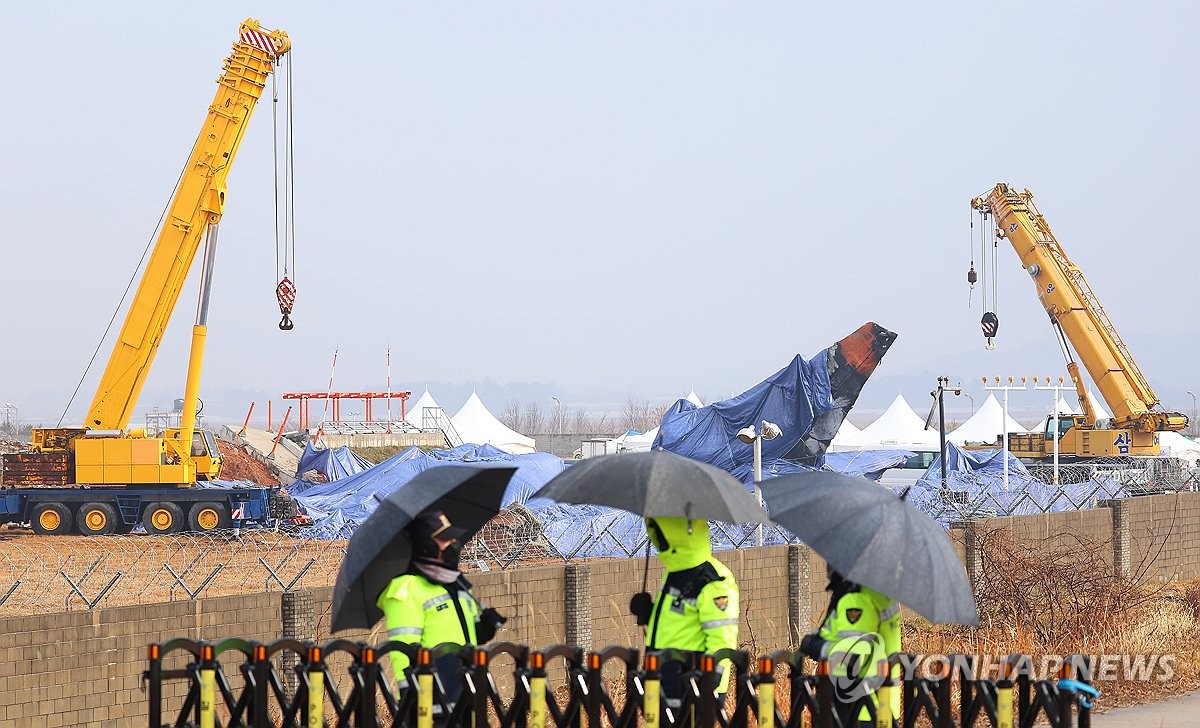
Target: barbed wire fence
[{"x": 41, "y": 574}]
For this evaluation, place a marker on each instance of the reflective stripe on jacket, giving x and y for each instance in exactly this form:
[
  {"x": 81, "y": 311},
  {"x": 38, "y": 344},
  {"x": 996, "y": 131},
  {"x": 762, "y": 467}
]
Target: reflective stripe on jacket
[
  {"x": 417, "y": 610},
  {"x": 850, "y": 629},
  {"x": 697, "y": 607}
]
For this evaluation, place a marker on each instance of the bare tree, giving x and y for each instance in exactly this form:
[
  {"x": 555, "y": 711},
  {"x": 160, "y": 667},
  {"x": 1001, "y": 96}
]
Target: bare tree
[
  {"x": 559, "y": 419},
  {"x": 511, "y": 415},
  {"x": 533, "y": 420},
  {"x": 640, "y": 415}
]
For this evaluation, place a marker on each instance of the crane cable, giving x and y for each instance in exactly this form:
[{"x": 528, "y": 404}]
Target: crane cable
[
  {"x": 132, "y": 277},
  {"x": 285, "y": 290}
]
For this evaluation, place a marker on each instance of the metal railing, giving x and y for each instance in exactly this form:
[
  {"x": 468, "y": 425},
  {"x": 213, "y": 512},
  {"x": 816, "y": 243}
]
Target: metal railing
[{"x": 615, "y": 687}]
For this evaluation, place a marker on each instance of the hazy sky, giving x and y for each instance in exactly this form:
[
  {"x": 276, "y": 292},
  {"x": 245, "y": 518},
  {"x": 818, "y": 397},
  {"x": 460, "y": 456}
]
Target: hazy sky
[{"x": 602, "y": 199}]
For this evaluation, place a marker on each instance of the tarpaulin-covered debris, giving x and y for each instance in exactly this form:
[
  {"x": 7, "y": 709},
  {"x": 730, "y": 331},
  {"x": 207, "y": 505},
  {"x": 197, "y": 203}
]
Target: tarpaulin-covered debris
[
  {"x": 975, "y": 488},
  {"x": 808, "y": 400},
  {"x": 328, "y": 464},
  {"x": 348, "y": 501}
]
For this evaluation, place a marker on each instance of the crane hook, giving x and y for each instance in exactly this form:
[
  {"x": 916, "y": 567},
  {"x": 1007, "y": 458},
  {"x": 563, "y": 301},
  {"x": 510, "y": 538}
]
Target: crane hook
[
  {"x": 990, "y": 323},
  {"x": 286, "y": 293}
]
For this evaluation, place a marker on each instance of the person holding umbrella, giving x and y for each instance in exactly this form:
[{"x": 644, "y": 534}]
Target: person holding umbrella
[
  {"x": 697, "y": 606},
  {"x": 880, "y": 551},
  {"x": 861, "y": 628},
  {"x": 432, "y": 603},
  {"x": 402, "y": 566}
]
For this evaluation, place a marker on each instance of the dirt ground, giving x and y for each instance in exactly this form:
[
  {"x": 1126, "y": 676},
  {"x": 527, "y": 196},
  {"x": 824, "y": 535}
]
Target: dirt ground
[{"x": 237, "y": 464}]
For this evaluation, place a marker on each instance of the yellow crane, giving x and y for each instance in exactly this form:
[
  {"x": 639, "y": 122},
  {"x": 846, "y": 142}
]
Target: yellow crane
[
  {"x": 1083, "y": 326},
  {"x": 103, "y": 454}
]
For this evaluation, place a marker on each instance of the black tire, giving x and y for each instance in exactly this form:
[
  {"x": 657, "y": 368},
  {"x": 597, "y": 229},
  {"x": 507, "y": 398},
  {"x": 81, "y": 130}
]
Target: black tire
[
  {"x": 205, "y": 517},
  {"x": 52, "y": 519},
  {"x": 97, "y": 519},
  {"x": 163, "y": 518}
]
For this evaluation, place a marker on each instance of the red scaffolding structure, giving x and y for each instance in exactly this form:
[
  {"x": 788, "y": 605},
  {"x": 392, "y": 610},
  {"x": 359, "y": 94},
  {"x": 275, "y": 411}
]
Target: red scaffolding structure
[{"x": 336, "y": 400}]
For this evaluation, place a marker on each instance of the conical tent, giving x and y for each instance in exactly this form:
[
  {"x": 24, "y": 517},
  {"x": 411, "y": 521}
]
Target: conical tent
[
  {"x": 476, "y": 424},
  {"x": 1098, "y": 407},
  {"x": 847, "y": 437},
  {"x": 1176, "y": 445},
  {"x": 694, "y": 398},
  {"x": 985, "y": 426},
  {"x": 415, "y": 414},
  {"x": 898, "y": 427}
]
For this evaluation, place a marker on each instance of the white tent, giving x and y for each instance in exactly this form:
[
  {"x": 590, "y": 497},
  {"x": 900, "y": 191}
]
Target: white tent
[
  {"x": 1177, "y": 446},
  {"x": 846, "y": 438},
  {"x": 642, "y": 442},
  {"x": 414, "y": 414},
  {"x": 475, "y": 424},
  {"x": 985, "y": 426},
  {"x": 694, "y": 398},
  {"x": 1101, "y": 413},
  {"x": 898, "y": 428}
]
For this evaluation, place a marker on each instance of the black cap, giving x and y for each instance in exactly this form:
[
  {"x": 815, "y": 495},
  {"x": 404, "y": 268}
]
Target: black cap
[{"x": 431, "y": 524}]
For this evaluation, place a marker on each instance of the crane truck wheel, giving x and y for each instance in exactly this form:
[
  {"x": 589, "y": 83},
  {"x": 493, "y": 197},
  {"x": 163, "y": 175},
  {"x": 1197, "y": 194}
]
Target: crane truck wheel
[
  {"x": 51, "y": 519},
  {"x": 205, "y": 517},
  {"x": 162, "y": 518},
  {"x": 97, "y": 519}
]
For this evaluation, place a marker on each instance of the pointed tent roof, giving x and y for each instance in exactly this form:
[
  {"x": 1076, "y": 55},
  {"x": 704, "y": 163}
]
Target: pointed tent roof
[
  {"x": 1098, "y": 406},
  {"x": 642, "y": 442},
  {"x": 985, "y": 426},
  {"x": 414, "y": 414},
  {"x": 694, "y": 398},
  {"x": 847, "y": 437},
  {"x": 899, "y": 426},
  {"x": 476, "y": 424}
]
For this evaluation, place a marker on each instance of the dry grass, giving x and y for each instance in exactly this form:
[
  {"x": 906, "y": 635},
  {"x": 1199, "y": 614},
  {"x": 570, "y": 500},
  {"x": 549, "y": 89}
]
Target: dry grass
[{"x": 1062, "y": 601}]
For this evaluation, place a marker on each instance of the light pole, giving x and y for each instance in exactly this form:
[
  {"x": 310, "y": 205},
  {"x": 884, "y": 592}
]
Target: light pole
[
  {"x": 1006, "y": 388},
  {"x": 748, "y": 435},
  {"x": 1056, "y": 388},
  {"x": 943, "y": 386}
]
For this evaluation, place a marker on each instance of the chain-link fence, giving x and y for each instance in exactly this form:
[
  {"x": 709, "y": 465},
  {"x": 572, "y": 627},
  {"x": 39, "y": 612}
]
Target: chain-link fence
[{"x": 41, "y": 574}]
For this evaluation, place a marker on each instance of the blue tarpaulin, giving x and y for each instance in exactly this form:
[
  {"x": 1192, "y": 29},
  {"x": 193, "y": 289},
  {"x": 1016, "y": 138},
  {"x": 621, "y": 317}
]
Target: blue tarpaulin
[
  {"x": 332, "y": 463},
  {"x": 975, "y": 488},
  {"x": 353, "y": 498}
]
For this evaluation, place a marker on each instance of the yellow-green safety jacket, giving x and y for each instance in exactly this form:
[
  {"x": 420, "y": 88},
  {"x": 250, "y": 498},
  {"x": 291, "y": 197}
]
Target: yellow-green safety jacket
[
  {"x": 697, "y": 606},
  {"x": 417, "y": 610},
  {"x": 864, "y": 623}
]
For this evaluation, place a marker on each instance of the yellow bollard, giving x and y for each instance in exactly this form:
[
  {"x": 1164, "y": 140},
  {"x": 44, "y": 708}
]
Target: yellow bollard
[
  {"x": 1004, "y": 707},
  {"x": 316, "y": 690},
  {"x": 766, "y": 693},
  {"x": 652, "y": 700},
  {"x": 208, "y": 679},
  {"x": 425, "y": 700},
  {"x": 537, "y": 702},
  {"x": 883, "y": 707}
]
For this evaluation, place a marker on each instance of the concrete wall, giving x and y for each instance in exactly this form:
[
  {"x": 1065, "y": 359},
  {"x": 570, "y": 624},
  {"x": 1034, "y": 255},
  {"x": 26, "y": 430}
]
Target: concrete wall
[{"x": 84, "y": 667}]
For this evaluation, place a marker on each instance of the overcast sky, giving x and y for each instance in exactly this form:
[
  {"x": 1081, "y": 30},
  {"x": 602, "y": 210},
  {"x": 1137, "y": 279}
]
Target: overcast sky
[{"x": 603, "y": 199}]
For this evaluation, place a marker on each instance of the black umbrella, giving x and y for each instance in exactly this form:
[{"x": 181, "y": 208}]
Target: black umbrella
[
  {"x": 873, "y": 537},
  {"x": 656, "y": 483},
  {"x": 379, "y": 550}
]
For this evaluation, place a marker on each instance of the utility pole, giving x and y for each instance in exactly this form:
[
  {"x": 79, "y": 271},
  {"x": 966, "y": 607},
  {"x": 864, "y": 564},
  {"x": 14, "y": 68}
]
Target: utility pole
[{"x": 943, "y": 386}]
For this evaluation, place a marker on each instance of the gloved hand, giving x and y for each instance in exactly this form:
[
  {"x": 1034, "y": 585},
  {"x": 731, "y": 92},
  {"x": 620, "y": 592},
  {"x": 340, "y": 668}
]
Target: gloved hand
[
  {"x": 640, "y": 606},
  {"x": 489, "y": 621},
  {"x": 811, "y": 645}
]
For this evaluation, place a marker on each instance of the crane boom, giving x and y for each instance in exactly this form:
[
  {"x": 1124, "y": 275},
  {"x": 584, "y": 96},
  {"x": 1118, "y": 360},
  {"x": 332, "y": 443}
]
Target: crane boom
[
  {"x": 197, "y": 205},
  {"x": 1076, "y": 313}
]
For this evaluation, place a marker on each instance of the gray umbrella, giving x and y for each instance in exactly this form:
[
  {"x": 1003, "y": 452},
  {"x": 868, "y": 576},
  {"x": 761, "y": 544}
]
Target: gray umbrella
[
  {"x": 656, "y": 483},
  {"x": 875, "y": 538},
  {"x": 379, "y": 549}
]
